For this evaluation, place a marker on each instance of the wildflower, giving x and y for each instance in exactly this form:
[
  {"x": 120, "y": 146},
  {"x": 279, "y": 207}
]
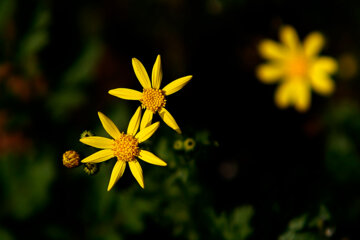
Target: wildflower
[
  {"x": 123, "y": 146},
  {"x": 189, "y": 144},
  {"x": 91, "y": 168},
  {"x": 178, "y": 144},
  {"x": 71, "y": 159},
  {"x": 297, "y": 68},
  {"x": 153, "y": 99}
]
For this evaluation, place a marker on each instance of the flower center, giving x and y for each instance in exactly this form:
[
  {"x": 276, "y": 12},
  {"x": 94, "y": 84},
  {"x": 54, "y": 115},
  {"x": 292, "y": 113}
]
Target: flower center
[
  {"x": 153, "y": 99},
  {"x": 297, "y": 66},
  {"x": 126, "y": 147}
]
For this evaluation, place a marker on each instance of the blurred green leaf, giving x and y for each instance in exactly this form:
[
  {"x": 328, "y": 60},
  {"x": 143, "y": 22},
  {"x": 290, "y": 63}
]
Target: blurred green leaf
[
  {"x": 236, "y": 225},
  {"x": 25, "y": 182},
  {"x": 82, "y": 69},
  {"x": 37, "y": 37},
  {"x": 71, "y": 94},
  {"x": 298, "y": 224},
  {"x": 7, "y": 9},
  {"x": 5, "y": 235}
]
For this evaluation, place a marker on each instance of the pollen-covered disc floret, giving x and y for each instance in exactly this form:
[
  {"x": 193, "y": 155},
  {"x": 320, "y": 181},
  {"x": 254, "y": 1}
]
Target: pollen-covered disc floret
[
  {"x": 126, "y": 147},
  {"x": 153, "y": 99}
]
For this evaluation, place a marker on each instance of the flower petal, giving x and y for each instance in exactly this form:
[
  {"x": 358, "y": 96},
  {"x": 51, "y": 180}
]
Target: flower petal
[
  {"x": 169, "y": 120},
  {"x": 176, "y": 85},
  {"x": 151, "y": 158},
  {"x": 313, "y": 44},
  {"x": 99, "y": 156},
  {"x": 109, "y": 126},
  {"x": 324, "y": 64},
  {"x": 146, "y": 119},
  {"x": 134, "y": 122},
  {"x": 137, "y": 172},
  {"x": 269, "y": 73},
  {"x": 141, "y": 73},
  {"x": 289, "y": 37},
  {"x": 126, "y": 93},
  {"x": 271, "y": 50},
  {"x": 156, "y": 73},
  {"x": 116, "y": 173},
  {"x": 302, "y": 96},
  {"x": 147, "y": 132},
  {"x": 322, "y": 83},
  {"x": 98, "y": 142},
  {"x": 284, "y": 94}
]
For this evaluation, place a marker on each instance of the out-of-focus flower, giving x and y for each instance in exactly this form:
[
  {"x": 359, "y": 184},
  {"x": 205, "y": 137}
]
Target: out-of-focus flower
[
  {"x": 91, "y": 168},
  {"x": 348, "y": 66},
  {"x": 178, "y": 144},
  {"x": 71, "y": 159},
  {"x": 297, "y": 68},
  {"x": 189, "y": 144},
  {"x": 123, "y": 146},
  {"x": 152, "y": 98}
]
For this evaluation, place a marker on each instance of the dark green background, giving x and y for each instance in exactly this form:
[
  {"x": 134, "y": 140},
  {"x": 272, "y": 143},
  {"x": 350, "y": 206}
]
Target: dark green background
[{"x": 256, "y": 172}]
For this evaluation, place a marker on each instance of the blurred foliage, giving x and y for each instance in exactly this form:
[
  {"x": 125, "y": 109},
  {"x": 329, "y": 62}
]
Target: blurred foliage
[{"x": 305, "y": 227}]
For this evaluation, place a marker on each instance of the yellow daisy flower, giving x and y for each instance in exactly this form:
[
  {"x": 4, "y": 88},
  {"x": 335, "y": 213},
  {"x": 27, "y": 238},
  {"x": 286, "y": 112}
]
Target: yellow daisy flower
[
  {"x": 297, "y": 67},
  {"x": 153, "y": 99},
  {"x": 123, "y": 146}
]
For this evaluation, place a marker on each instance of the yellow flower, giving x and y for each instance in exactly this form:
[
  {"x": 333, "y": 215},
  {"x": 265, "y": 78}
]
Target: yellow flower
[
  {"x": 152, "y": 98},
  {"x": 297, "y": 67},
  {"x": 123, "y": 146}
]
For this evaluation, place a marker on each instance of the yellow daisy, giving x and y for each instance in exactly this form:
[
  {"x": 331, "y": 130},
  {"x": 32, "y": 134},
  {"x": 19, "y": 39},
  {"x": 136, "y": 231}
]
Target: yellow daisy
[
  {"x": 297, "y": 67},
  {"x": 153, "y": 99},
  {"x": 123, "y": 146}
]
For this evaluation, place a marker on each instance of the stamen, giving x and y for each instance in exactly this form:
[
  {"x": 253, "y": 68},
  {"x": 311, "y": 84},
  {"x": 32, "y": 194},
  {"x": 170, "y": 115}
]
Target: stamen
[
  {"x": 153, "y": 99},
  {"x": 126, "y": 148}
]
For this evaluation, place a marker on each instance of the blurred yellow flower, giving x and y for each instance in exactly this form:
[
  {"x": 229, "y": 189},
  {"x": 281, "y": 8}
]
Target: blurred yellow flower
[
  {"x": 123, "y": 146},
  {"x": 152, "y": 98},
  {"x": 297, "y": 67}
]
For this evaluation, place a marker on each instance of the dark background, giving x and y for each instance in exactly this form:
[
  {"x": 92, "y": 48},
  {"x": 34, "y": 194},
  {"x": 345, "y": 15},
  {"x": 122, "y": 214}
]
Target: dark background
[{"x": 281, "y": 164}]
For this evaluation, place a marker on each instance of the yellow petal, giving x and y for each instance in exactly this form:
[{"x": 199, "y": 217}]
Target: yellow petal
[
  {"x": 325, "y": 65},
  {"x": 116, "y": 173},
  {"x": 289, "y": 37},
  {"x": 269, "y": 73},
  {"x": 141, "y": 73},
  {"x": 313, "y": 44},
  {"x": 109, "y": 126},
  {"x": 169, "y": 120},
  {"x": 322, "y": 84},
  {"x": 126, "y": 93},
  {"x": 284, "y": 94},
  {"x": 98, "y": 142},
  {"x": 99, "y": 156},
  {"x": 134, "y": 122},
  {"x": 302, "y": 96},
  {"x": 271, "y": 50},
  {"x": 151, "y": 158},
  {"x": 176, "y": 85},
  {"x": 147, "y": 132},
  {"x": 146, "y": 119},
  {"x": 137, "y": 172},
  {"x": 156, "y": 73}
]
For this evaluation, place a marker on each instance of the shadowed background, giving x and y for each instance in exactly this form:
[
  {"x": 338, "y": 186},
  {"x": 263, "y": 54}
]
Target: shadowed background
[{"x": 256, "y": 172}]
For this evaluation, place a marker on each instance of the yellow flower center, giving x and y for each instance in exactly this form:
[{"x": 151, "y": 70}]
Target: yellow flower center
[
  {"x": 126, "y": 147},
  {"x": 297, "y": 66},
  {"x": 153, "y": 99}
]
